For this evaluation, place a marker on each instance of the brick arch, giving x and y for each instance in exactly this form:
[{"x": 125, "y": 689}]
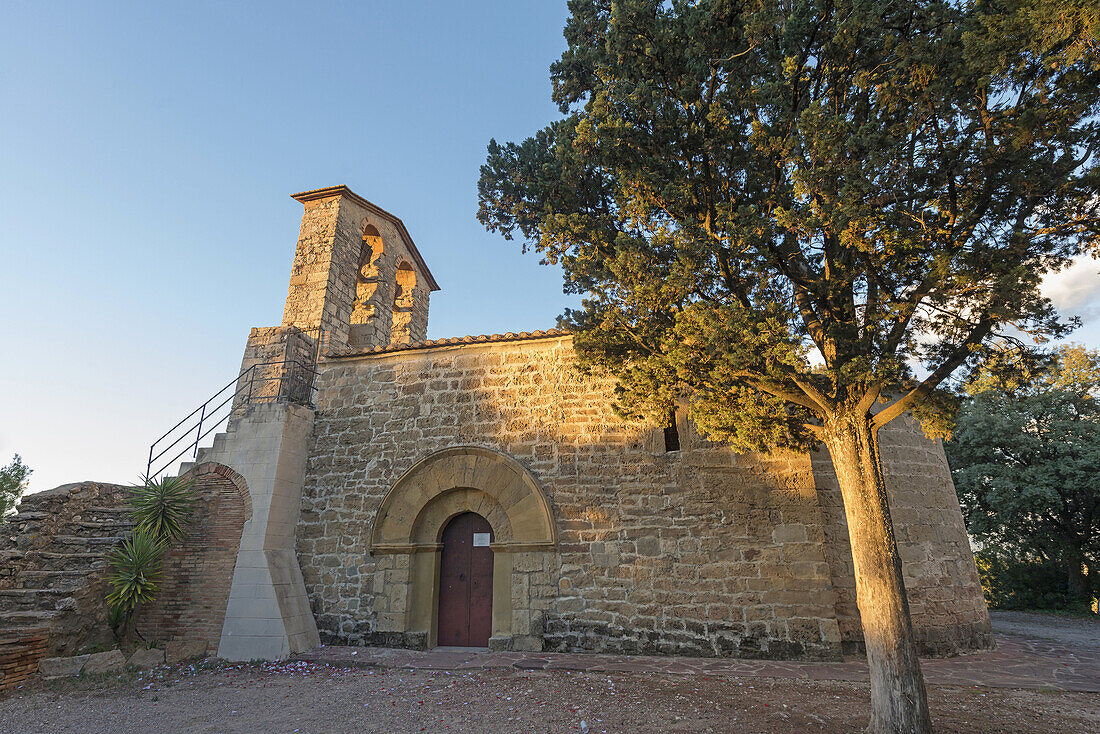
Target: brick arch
[
  {"x": 238, "y": 482},
  {"x": 198, "y": 571},
  {"x": 464, "y": 479}
]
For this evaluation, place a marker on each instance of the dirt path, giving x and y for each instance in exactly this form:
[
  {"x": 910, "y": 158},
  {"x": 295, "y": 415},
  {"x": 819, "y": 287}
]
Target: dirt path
[
  {"x": 1074, "y": 632},
  {"x": 307, "y": 697},
  {"x": 1017, "y": 662}
]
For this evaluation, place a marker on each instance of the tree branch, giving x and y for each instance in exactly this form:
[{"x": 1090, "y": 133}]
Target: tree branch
[{"x": 921, "y": 391}]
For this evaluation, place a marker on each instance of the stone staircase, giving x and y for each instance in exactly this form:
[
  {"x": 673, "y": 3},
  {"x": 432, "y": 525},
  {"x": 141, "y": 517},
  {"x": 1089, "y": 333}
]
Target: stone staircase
[
  {"x": 52, "y": 566},
  {"x": 209, "y": 453}
]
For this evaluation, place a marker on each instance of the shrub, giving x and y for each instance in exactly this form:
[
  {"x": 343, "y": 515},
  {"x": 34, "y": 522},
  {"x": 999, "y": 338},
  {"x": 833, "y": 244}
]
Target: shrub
[
  {"x": 1024, "y": 583},
  {"x": 134, "y": 572},
  {"x": 163, "y": 507}
]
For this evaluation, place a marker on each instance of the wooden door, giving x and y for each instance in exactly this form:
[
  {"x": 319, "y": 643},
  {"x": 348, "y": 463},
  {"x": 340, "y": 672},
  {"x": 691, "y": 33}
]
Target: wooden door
[{"x": 466, "y": 582}]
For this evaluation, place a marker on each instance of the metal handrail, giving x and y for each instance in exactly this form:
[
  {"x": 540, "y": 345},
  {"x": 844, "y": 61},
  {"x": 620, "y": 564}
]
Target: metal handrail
[{"x": 293, "y": 373}]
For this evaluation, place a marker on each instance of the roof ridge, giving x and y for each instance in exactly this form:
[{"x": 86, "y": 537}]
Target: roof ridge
[
  {"x": 403, "y": 232},
  {"x": 510, "y": 336}
]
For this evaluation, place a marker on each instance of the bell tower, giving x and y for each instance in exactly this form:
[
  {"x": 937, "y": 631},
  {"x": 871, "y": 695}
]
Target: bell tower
[{"x": 357, "y": 274}]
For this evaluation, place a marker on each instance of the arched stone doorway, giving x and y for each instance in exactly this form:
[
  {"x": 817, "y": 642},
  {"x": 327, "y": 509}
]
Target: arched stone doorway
[{"x": 407, "y": 542}]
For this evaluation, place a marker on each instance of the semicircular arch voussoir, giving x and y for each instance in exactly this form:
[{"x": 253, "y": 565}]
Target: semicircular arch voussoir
[{"x": 518, "y": 501}]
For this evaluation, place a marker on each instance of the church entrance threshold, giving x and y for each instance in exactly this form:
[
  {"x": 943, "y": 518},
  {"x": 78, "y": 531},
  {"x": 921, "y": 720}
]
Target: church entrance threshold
[{"x": 466, "y": 583}]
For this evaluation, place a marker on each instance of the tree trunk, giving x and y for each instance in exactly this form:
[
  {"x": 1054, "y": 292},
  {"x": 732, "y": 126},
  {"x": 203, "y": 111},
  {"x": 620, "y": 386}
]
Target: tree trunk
[
  {"x": 898, "y": 701},
  {"x": 1076, "y": 581}
]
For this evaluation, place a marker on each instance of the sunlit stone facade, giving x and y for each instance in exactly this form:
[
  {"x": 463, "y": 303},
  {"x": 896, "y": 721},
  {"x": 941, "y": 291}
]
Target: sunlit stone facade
[{"x": 606, "y": 534}]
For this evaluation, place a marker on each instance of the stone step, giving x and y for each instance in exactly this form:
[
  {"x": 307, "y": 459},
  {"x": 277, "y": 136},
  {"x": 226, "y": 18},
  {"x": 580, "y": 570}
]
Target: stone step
[
  {"x": 54, "y": 561},
  {"x": 86, "y": 541},
  {"x": 104, "y": 525},
  {"x": 119, "y": 513},
  {"x": 185, "y": 467},
  {"x": 107, "y": 538},
  {"x": 40, "y": 579},
  {"x": 29, "y": 515},
  {"x": 27, "y": 619},
  {"x": 116, "y": 533},
  {"x": 31, "y": 600}
]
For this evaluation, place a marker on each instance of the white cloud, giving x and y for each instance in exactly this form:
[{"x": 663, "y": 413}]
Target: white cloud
[{"x": 1076, "y": 290}]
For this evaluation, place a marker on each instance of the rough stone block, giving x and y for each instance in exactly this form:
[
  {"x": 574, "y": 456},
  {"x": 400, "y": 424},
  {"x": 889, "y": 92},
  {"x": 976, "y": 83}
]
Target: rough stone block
[
  {"x": 527, "y": 643},
  {"x": 180, "y": 650},
  {"x": 61, "y": 667},
  {"x": 146, "y": 657},
  {"x": 112, "y": 661}
]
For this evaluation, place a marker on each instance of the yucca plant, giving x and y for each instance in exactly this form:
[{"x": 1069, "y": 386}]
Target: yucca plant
[
  {"x": 133, "y": 577},
  {"x": 163, "y": 507},
  {"x": 117, "y": 617}
]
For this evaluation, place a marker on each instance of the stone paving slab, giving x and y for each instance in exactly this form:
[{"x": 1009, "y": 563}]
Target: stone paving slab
[{"x": 1017, "y": 662}]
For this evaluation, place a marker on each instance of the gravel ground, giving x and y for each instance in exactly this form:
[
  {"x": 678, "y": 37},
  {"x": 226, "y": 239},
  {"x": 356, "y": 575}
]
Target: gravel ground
[
  {"x": 1073, "y": 631},
  {"x": 305, "y": 697}
]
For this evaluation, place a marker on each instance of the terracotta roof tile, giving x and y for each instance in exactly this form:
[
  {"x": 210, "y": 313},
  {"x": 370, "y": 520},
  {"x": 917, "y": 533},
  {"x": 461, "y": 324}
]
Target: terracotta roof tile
[{"x": 511, "y": 336}]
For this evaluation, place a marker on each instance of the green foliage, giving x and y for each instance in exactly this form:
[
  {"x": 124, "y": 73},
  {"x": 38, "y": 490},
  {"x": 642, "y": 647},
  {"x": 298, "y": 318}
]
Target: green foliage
[
  {"x": 744, "y": 189},
  {"x": 1025, "y": 457},
  {"x": 163, "y": 507},
  {"x": 134, "y": 572},
  {"x": 1071, "y": 368},
  {"x": 13, "y": 480},
  {"x": 117, "y": 617},
  {"x": 1023, "y": 584}
]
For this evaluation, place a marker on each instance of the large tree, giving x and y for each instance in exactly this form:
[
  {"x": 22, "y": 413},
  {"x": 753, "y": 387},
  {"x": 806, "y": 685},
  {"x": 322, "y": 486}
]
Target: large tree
[
  {"x": 802, "y": 217},
  {"x": 1025, "y": 457}
]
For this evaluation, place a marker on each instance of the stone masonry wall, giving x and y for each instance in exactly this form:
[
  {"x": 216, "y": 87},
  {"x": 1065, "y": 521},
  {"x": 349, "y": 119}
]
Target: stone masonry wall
[
  {"x": 694, "y": 552},
  {"x": 309, "y": 275},
  {"x": 282, "y": 357},
  {"x": 700, "y": 551},
  {"x": 198, "y": 571}
]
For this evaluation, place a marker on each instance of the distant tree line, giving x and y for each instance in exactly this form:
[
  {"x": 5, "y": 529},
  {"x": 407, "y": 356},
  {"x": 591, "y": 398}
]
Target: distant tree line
[{"x": 1026, "y": 462}]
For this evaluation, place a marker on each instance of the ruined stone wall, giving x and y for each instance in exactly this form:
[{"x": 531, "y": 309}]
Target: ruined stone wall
[
  {"x": 53, "y": 556},
  {"x": 198, "y": 571},
  {"x": 698, "y": 552}
]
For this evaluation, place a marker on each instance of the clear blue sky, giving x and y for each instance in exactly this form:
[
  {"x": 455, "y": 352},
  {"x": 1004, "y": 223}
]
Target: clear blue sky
[{"x": 148, "y": 153}]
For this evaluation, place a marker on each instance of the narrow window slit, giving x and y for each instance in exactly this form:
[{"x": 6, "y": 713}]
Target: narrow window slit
[{"x": 672, "y": 436}]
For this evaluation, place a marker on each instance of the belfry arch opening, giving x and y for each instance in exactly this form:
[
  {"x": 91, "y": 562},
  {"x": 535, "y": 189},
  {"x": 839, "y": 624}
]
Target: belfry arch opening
[
  {"x": 404, "y": 304},
  {"x": 368, "y": 276}
]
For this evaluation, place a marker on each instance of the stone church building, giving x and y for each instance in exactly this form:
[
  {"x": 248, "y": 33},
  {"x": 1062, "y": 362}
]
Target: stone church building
[{"x": 479, "y": 491}]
